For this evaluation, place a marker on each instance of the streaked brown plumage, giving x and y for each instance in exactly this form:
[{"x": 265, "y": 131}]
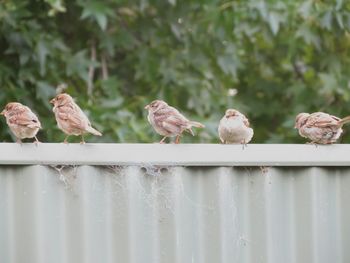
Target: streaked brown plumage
[
  {"x": 234, "y": 128},
  {"x": 21, "y": 120},
  {"x": 320, "y": 127},
  {"x": 168, "y": 121},
  {"x": 70, "y": 118}
]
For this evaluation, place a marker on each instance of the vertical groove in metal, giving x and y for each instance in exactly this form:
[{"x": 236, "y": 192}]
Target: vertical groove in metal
[
  {"x": 338, "y": 220},
  {"x": 278, "y": 217},
  {"x": 227, "y": 216},
  {"x": 174, "y": 214},
  {"x": 344, "y": 214},
  {"x": 6, "y": 224}
]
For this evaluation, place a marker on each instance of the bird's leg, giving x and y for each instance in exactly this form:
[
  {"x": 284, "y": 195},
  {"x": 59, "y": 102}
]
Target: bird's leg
[
  {"x": 162, "y": 140},
  {"x": 19, "y": 141},
  {"x": 36, "y": 141},
  {"x": 313, "y": 143},
  {"x": 82, "y": 139},
  {"x": 244, "y": 144},
  {"x": 177, "y": 140},
  {"x": 66, "y": 140}
]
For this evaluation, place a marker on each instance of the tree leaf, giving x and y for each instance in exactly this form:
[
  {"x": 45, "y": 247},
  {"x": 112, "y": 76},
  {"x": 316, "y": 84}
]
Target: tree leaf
[
  {"x": 339, "y": 18},
  {"x": 274, "y": 21},
  {"x": 42, "y": 51},
  {"x": 98, "y": 11},
  {"x": 172, "y": 2},
  {"x": 101, "y": 20},
  {"x": 326, "y": 20},
  {"x": 339, "y": 5},
  {"x": 308, "y": 36}
]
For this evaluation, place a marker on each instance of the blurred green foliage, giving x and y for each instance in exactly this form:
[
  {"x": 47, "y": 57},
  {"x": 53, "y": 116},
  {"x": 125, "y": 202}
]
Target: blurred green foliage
[{"x": 271, "y": 59}]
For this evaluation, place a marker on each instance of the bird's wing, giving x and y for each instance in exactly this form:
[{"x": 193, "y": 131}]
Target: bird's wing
[
  {"x": 246, "y": 121},
  {"x": 322, "y": 120},
  {"x": 71, "y": 114},
  {"x": 171, "y": 120},
  {"x": 25, "y": 117},
  {"x": 171, "y": 128}
]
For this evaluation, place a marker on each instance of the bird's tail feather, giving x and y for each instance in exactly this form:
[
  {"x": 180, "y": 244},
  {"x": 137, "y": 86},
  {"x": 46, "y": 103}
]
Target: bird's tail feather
[
  {"x": 196, "y": 124},
  {"x": 190, "y": 131},
  {"x": 93, "y": 131},
  {"x": 344, "y": 120},
  {"x": 35, "y": 125}
]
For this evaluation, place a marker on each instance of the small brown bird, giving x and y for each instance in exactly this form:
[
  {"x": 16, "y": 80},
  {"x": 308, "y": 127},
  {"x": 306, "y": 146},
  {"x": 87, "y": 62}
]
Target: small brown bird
[
  {"x": 22, "y": 121},
  {"x": 168, "y": 121},
  {"x": 320, "y": 127},
  {"x": 234, "y": 128},
  {"x": 70, "y": 118}
]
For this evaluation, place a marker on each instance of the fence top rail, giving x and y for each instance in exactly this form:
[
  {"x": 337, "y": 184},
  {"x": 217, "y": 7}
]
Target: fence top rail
[{"x": 177, "y": 155}]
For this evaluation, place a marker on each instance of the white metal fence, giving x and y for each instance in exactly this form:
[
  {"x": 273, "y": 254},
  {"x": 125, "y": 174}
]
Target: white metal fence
[{"x": 266, "y": 203}]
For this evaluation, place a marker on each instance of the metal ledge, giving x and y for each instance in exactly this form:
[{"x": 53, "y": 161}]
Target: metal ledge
[{"x": 171, "y": 154}]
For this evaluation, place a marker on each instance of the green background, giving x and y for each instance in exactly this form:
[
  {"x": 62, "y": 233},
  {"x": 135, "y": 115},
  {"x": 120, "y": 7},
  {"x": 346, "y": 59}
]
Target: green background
[{"x": 268, "y": 59}]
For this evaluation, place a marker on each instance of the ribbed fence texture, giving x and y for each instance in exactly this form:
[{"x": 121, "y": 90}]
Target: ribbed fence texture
[{"x": 151, "y": 214}]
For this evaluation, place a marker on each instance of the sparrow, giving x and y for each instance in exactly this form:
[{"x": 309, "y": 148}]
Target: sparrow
[
  {"x": 22, "y": 121},
  {"x": 234, "y": 128},
  {"x": 168, "y": 121},
  {"x": 320, "y": 127},
  {"x": 70, "y": 118}
]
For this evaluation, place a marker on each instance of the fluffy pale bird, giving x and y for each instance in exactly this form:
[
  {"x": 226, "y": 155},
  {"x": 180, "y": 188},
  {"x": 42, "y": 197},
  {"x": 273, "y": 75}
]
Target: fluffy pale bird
[
  {"x": 22, "y": 121},
  {"x": 234, "y": 128},
  {"x": 320, "y": 127},
  {"x": 168, "y": 121},
  {"x": 70, "y": 118}
]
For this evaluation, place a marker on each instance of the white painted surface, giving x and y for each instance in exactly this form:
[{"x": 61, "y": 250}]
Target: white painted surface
[{"x": 172, "y": 154}]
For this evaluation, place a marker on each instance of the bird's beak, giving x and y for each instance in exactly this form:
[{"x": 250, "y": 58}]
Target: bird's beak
[
  {"x": 2, "y": 113},
  {"x": 52, "y": 101},
  {"x": 147, "y": 107}
]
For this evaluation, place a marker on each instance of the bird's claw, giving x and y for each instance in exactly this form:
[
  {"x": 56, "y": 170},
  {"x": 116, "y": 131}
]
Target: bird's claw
[{"x": 313, "y": 143}]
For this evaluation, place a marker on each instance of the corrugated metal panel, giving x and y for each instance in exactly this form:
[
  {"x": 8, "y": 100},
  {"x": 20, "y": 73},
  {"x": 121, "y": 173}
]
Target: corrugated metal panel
[{"x": 144, "y": 214}]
